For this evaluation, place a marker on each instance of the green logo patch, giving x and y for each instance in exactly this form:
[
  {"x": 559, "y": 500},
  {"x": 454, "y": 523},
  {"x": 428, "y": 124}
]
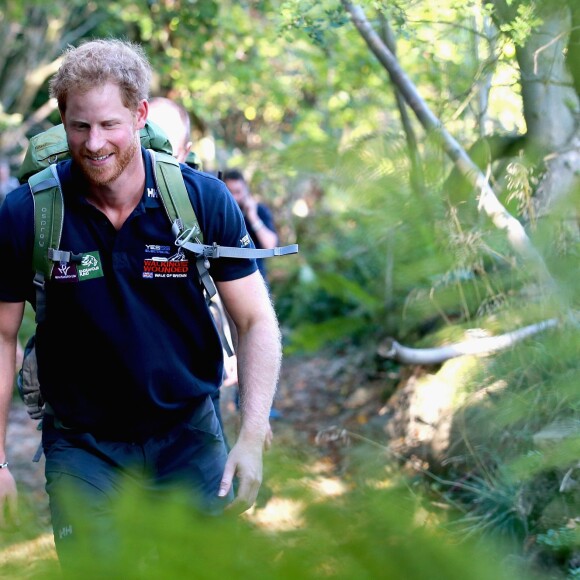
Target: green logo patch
[{"x": 90, "y": 266}]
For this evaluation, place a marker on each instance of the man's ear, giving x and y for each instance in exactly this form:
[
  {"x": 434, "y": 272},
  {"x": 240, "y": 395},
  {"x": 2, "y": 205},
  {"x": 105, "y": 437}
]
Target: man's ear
[{"x": 141, "y": 114}]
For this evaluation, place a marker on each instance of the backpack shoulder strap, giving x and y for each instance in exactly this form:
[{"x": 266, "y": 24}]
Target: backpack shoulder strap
[
  {"x": 177, "y": 204},
  {"x": 174, "y": 196},
  {"x": 48, "y": 220}
]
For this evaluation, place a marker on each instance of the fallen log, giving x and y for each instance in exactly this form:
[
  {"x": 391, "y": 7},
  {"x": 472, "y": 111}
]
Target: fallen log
[{"x": 391, "y": 349}]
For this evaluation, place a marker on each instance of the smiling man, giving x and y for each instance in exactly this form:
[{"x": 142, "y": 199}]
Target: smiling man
[{"x": 127, "y": 360}]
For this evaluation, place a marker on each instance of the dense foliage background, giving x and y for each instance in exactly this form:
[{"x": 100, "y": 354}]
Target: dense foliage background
[{"x": 376, "y": 170}]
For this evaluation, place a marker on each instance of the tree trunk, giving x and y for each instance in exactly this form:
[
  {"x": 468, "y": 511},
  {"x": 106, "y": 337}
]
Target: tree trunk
[{"x": 551, "y": 103}]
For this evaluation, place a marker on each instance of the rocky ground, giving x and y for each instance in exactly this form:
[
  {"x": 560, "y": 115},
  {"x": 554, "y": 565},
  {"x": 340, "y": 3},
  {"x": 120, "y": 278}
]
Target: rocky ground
[{"x": 23, "y": 440}]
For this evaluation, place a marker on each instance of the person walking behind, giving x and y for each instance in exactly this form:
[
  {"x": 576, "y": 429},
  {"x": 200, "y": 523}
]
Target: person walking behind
[
  {"x": 127, "y": 362},
  {"x": 173, "y": 119},
  {"x": 258, "y": 217}
]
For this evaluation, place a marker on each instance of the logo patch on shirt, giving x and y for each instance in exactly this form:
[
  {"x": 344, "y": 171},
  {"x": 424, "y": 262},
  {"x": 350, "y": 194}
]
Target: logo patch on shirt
[
  {"x": 157, "y": 249},
  {"x": 65, "y": 272},
  {"x": 89, "y": 267},
  {"x": 163, "y": 266}
]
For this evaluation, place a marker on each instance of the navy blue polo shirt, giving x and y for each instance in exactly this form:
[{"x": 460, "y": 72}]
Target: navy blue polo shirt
[{"x": 128, "y": 346}]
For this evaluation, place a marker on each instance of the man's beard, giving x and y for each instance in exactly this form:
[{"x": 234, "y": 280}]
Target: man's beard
[{"x": 109, "y": 173}]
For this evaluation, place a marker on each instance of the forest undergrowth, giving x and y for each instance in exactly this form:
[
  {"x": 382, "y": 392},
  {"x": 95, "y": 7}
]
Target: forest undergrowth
[{"x": 337, "y": 501}]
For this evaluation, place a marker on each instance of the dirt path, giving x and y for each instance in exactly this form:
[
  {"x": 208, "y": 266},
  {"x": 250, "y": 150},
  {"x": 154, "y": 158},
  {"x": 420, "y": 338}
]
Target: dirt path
[{"x": 22, "y": 442}]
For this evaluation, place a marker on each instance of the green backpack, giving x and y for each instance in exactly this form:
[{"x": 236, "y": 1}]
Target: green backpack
[
  {"x": 39, "y": 169},
  {"x": 50, "y": 147}
]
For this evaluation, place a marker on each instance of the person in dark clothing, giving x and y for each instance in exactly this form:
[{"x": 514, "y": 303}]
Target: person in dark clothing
[
  {"x": 258, "y": 217},
  {"x": 128, "y": 354}
]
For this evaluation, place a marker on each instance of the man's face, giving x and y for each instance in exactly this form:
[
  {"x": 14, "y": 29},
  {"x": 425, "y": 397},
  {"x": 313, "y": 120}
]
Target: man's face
[
  {"x": 102, "y": 133},
  {"x": 239, "y": 190}
]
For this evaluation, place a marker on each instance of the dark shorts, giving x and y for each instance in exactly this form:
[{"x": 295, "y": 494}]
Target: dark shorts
[{"x": 86, "y": 476}]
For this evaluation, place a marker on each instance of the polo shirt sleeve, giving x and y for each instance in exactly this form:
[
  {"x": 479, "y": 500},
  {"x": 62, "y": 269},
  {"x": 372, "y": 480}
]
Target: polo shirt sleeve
[{"x": 16, "y": 240}]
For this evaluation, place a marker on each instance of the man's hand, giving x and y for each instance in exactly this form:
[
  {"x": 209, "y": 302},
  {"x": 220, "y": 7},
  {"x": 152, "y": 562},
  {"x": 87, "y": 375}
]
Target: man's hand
[
  {"x": 245, "y": 461},
  {"x": 249, "y": 207}
]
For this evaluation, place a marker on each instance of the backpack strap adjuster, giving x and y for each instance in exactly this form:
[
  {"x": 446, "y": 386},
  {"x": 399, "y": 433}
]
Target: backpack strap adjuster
[
  {"x": 64, "y": 256},
  {"x": 184, "y": 236}
]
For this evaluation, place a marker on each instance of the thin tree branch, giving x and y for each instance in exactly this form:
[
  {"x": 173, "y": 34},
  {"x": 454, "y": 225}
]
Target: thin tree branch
[
  {"x": 417, "y": 176},
  {"x": 391, "y": 349}
]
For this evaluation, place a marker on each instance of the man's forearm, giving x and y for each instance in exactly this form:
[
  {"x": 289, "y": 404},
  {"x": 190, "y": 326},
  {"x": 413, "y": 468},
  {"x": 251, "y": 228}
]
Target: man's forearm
[
  {"x": 259, "y": 359},
  {"x": 7, "y": 364}
]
